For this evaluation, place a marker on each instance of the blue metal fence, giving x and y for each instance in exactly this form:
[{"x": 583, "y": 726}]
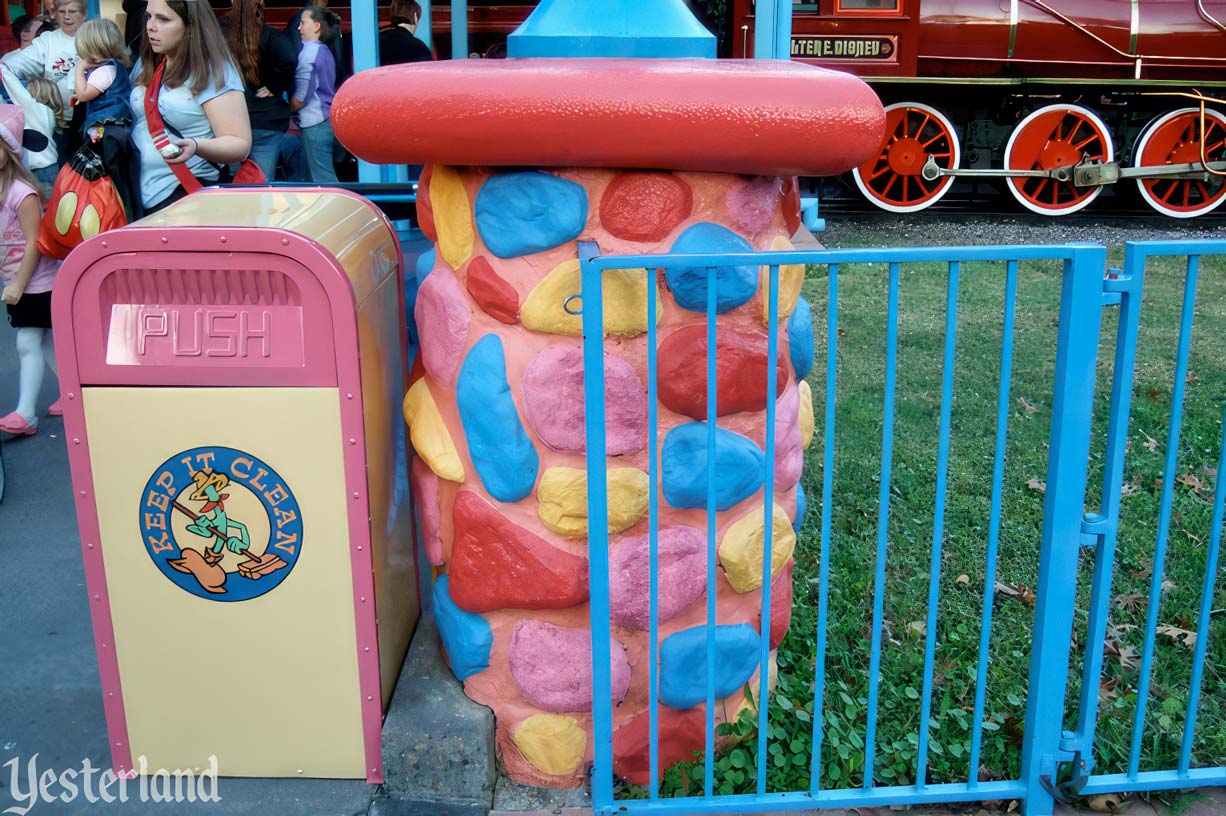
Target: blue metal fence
[{"x": 1046, "y": 746}]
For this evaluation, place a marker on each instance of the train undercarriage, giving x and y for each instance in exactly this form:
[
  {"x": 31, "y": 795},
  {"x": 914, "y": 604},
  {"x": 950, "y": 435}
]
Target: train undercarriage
[{"x": 1054, "y": 148}]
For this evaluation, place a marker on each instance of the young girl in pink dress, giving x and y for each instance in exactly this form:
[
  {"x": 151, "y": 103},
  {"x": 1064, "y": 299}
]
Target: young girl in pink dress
[{"x": 26, "y": 275}]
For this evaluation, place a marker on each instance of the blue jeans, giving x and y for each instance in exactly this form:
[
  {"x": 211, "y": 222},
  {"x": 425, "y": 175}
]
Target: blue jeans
[
  {"x": 264, "y": 148},
  {"x": 318, "y": 142},
  {"x": 46, "y": 177}
]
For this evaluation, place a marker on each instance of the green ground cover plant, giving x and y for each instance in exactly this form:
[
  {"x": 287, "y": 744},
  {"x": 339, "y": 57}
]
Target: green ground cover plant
[{"x": 854, "y": 516}]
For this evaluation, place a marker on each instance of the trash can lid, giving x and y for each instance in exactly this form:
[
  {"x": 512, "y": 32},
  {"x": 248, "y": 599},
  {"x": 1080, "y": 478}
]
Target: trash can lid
[{"x": 759, "y": 117}]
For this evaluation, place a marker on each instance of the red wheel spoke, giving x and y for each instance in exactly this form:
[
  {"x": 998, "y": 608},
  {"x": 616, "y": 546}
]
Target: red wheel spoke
[
  {"x": 886, "y": 192},
  {"x": 885, "y": 168},
  {"x": 906, "y": 191},
  {"x": 1086, "y": 141},
  {"x": 936, "y": 138},
  {"x": 1204, "y": 191}
]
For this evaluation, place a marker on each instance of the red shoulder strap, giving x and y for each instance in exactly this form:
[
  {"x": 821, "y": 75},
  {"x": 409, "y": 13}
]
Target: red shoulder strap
[{"x": 157, "y": 129}]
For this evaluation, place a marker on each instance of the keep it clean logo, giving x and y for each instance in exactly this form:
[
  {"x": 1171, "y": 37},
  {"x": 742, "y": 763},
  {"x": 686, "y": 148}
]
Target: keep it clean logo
[{"x": 221, "y": 524}]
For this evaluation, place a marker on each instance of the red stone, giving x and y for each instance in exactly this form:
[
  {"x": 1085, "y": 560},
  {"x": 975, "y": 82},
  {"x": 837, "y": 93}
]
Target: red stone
[
  {"x": 680, "y": 734},
  {"x": 496, "y": 564},
  {"x": 791, "y": 205},
  {"x": 740, "y": 368},
  {"x": 781, "y": 605},
  {"x": 425, "y": 213},
  {"x": 645, "y": 206},
  {"x": 493, "y": 294}
]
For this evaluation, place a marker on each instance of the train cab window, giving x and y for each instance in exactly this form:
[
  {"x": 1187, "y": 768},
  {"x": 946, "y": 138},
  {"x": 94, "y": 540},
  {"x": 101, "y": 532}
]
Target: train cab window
[{"x": 865, "y": 5}]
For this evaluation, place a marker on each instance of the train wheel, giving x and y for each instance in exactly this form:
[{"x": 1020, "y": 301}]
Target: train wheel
[
  {"x": 891, "y": 179},
  {"x": 1052, "y": 137},
  {"x": 1175, "y": 138}
]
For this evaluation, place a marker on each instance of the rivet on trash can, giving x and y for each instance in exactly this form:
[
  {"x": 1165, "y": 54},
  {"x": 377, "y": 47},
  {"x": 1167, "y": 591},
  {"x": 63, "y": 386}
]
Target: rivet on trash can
[
  {"x": 353, "y": 441},
  {"x": 165, "y": 240},
  {"x": 363, "y": 599},
  {"x": 359, "y": 548},
  {"x": 104, "y": 243},
  {"x": 368, "y": 697},
  {"x": 76, "y": 441},
  {"x": 82, "y": 492},
  {"x": 223, "y": 239},
  {"x": 71, "y": 395},
  {"x": 299, "y": 771},
  {"x": 355, "y": 494},
  {"x": 349, "y": 396},
  {"x": 284, "y": 242}
]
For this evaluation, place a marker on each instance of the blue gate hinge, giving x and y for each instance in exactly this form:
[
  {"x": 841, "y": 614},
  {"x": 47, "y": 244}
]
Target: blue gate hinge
[
  {"x": 1094, "y": 527},
  {"x": 1115, "y": 285},
  {"x": 1072, "y": 744}
]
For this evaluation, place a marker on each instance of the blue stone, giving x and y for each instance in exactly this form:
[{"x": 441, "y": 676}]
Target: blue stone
[
  {"x": 466, "y": 636},
  {"x": 740, "y": 467},
  {"x": 500, "y": 449},
  {"x": 683, "y": 663},
  {"x": 522, "y": 213},
  {"x": 801, "y": 506},
  {"x": 734, "y": 285},
  {"x": 425, "y": 265},
  {"x": 800, "y": 339}
]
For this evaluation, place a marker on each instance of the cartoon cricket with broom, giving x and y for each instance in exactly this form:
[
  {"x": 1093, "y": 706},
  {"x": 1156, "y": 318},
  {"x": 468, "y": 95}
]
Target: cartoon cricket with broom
[{"x": 228, "y": 534}]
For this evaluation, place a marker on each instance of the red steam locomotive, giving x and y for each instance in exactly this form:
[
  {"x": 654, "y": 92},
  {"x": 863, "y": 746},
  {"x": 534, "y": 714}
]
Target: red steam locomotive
[{"x": 1058, "y": 98}]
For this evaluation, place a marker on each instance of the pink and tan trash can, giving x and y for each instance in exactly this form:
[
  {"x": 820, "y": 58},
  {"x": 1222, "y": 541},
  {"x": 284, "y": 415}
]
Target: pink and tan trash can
[{"x": 234, "y": 367}]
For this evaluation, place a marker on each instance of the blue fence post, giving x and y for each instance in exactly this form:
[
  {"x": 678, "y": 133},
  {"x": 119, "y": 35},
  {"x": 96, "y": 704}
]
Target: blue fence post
[{"x": 1072, "y": 412}]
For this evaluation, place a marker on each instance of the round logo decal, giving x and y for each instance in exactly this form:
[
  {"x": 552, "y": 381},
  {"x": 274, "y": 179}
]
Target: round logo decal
[{"x": 221, "y": 524}]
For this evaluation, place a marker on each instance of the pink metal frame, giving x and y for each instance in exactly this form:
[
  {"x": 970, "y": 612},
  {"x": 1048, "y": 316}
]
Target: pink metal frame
[{"x": 340, "y": 371}]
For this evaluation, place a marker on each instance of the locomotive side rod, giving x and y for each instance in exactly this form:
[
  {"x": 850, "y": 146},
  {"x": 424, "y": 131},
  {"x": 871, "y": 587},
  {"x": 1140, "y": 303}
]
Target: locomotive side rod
[{"x": 1089, "y": 174}]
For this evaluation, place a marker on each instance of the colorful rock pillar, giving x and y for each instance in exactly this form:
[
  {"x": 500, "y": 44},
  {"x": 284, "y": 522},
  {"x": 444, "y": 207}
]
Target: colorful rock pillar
[{"x": 526, "y": 158}]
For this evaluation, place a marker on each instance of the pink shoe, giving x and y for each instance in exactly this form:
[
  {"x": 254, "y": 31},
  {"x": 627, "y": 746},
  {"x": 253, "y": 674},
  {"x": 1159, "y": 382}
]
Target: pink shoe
[
  {"x": 56, "y": 408},
  {"x": 16, "y": 424}
]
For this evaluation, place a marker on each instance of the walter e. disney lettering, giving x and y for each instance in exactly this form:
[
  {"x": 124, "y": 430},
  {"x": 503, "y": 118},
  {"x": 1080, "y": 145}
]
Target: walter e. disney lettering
[{"x": 221, "y": 524}]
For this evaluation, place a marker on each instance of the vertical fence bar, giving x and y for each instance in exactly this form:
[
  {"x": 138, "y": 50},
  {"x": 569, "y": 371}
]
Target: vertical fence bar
[
  {"x": 938, "y": 520},
  {"x": 768, "y": 529},
  {"x": 712, "y": 554},
  {"x": 823, "y": 567},
  {"x": 1055, "y": 593},
  {"x": 998, "y": 480},
  {"x": 598, "y": 530},
  {"x": 1206, "y": 607},
  {"x": 1164, "y": 511},
  {"x": 883, "y": 523},
  {"x": 459, "y": 29},
  {"x": 653, "y": 532},
  {"x": 1131, "y": 289}
]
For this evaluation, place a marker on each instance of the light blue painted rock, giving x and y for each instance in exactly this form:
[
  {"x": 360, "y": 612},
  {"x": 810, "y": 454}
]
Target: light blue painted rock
[
  {"x": 734, "y": 285},
  {"x": 683, "y": 663},
  {"x": 522, "y": 213},
  {"x": 500, "y": 449},
  {"x": 801, "y": 505},
  {"x": 425, "y": 265},
  {"x": 800, "y": 339},
  {"x": 466, "y": 636},
  {"x": 739, "y": 467}
]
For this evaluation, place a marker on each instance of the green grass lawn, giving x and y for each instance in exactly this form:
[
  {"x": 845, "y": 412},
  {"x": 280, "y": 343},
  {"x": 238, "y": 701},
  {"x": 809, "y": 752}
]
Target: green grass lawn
[{"x": 855, "y": 513}]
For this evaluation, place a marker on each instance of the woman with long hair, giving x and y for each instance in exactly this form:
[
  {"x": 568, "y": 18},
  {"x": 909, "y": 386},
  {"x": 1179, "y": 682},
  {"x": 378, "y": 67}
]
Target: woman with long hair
[
  {"x": 266, "y": 60},
  {"x": 200, "y": 98}
]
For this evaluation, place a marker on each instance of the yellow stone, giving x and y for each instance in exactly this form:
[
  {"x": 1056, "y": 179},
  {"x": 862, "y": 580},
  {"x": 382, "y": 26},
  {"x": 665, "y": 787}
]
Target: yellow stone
[
  {"x": 772, "y": 679},
  {"x": 430, "y": 437},
  {"x": 740, "y": 552},
  {"x": 625, "y": 301},
  {"x": 563, "y": 499},
  {"x": 791, "y": 277},
  {"x": 553, "y": 743},
  {"x": 453, "y": 218},
  {"x": 806, "y": 414}
]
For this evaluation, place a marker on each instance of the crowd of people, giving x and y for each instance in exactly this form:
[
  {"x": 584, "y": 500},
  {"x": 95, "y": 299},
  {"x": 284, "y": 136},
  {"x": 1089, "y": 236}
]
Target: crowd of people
[{"x": 189, "y": 100}]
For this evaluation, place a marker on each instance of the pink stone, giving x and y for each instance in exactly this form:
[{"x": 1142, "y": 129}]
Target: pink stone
[
  {"x": 429, "y": 514},
  {"x": 781, "y": 605},
  {"x": 682, "y": 575},
  {"x": 552, "y": 666},
  {"x": 553, "y": 401},
  {"x": 753, "y": 204},
  {"x": 789, "y": 445},
  {"x": 442, "y": 316}
]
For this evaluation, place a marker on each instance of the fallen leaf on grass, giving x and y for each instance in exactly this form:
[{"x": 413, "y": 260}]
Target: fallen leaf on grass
[
  {"x": 1030, "y": 409},
  {"x": 1191, "y": 480},
  {"x": 1184, "y": 636},
  {"x": 1150, "y": 443},
  {"x": 1168, "y": 585},
  {"x": 1020, "y": 591},
  {"x": 918, "y": 627},
  {"x": 1130, "y": 601},
  {"x": 1127, "y": 655},
  {"x": 1145, "y": 571},
  {"x": 963, "y": 579},
  {"x": 1109, "y": 689},
  {"x": 1129, "y": 488},
  {"x": 1191, "y": 379},
  {"x": 1035, "y": 484}
]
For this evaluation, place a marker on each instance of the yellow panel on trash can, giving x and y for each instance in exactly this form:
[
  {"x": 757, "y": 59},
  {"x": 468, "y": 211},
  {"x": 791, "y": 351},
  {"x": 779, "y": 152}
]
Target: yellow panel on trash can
[{"x": 239, "y": 645}]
